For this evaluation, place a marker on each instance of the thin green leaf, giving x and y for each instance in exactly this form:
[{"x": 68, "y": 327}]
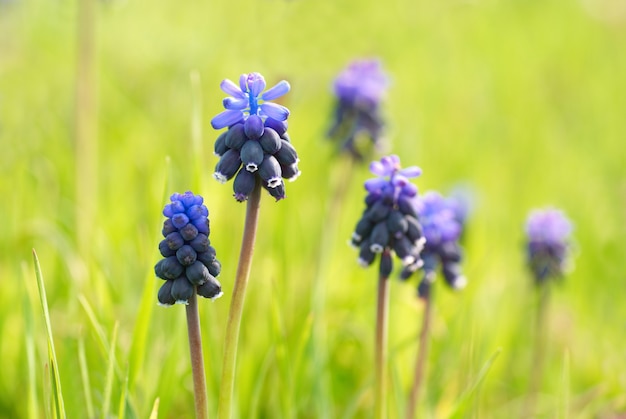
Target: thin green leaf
[
  {"x": 108, "y": 390},
  {"x": 56, "y": 381},
  {"x": 84, "y": 375}
]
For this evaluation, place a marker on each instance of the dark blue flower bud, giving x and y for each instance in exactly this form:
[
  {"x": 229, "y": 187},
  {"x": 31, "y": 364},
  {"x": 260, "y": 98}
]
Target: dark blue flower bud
[
  {"x": 180, "y": 220},
  {"x": 277, "y": 192},
  {"x": 414, "y": 231},
  {"x": 173, "y": 208},
  {"x": 210, "y": 289},
  {"x": 168, "y": 268},
  {"x": 366, "y": 256},
  {"x": 236, "y": 137},
  {"x": 215, "y": 267},
  {"x": 165, "y": 294},
  {"x": 453, "y": 276},
  {"x": 279, "y": 126},
  {"x": 186, "y": 255},
  {"x": 227, "y": 166},
  {"x": 243, "y": 185},
  {"x": 253, "y": 127},
  {"x": 450, "y": 251},
  {"x": 201, "y": 243},
  {"x": 189, "y": 232},
  {"x": 207, "y": 257},
  {"x": 379, "y": 239},
  {"x": 386, "y": 265},
  {"x": 270, "y": 171},
  {"x": 290, "y": 172},
  {"x": 182, "y": 290},
  {"x": 270, "y": 141},
  {"x": 362, "y": 230},
  {"x": 396, "y": 223},
  {"x": 165, "y": 250},
  {"x": 405, "y": 250},
  {"x": 286, "y": 155},
  {"x": 197, "y": 273},
  {"x": 168, "y": 227},
  {"x": 378, "y": 212},
  {"x": 251, "y": 155},
  {"x": 407, "y": 206},
  {"x": 220, "y": 145},
  {"x": 197, "y": 211},
  {"x": 174, "y": 240},
  {"x": 202, "y": 225}
]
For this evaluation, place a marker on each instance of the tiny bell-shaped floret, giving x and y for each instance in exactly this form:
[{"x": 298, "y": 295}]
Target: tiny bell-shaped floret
[
  {"x": 235, "y": 137},
  {"x": 270, "y": 171},
  {"x": 243, "y": 185},
  {"x": 227, "y": 166},
  {"x": 251, "y": 155}
]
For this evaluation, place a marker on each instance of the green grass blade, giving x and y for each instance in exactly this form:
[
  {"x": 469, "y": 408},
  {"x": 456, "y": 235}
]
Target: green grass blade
[
  {"x": 108, "y": 389},
  {"x": 155, "y": 409},
  {"x": 33, "y": 402},
  {"x": 123, "y": 399},
  {"x": 95, "y": 324},
  {"x": 84, "y": 375},
  {"x": 56, "y": 380},
  {"x": 462, "y": 405}
]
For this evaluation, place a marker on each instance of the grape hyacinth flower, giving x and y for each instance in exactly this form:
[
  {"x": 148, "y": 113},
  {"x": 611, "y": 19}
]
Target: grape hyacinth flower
[
  {"x": 359, "y": 89},
  {"x": 548, "y": 234},
  {"x": 388, "y": 225},
  {"x": 189, "y": 261},
  {"x": 390, "y": 220},
  {"x": 442, "y": 230},
  {"x": 256, "y": 146}
]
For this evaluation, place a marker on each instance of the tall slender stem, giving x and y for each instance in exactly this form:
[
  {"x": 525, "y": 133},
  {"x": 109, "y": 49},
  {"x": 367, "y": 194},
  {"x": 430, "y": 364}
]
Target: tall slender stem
[
  {"x": 380, "y": 356},
  {"x": 197, "y": 361},
  {"x": 236, "y": 305},
  {"x": 538, "y": 350},
  {"x": 422, "y": 352}
]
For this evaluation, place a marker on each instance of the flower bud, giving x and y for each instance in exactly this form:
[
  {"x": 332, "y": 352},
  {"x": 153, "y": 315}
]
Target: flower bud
[
  {"x": 379, "y": 239},
  {"x": 270, "y": 171},
  {"x": 165, "y": 294},
  {"x": 227, "y": 166},
  {"x": 253, "y": 127},
  {"x": 286, "y": 155},
  {"x": 279, "y": 126},
  {"x": 197, "y": 273},
  {"x": 210, "y": 289},
  {"x": 186, "y": 255},
  {"x": 243, "y": 185},
  {"x": 200, "y": 243},
  {"x": 174, "y": 240},
  {"x": 270, "y": 141},
  {"x": 189, "y": 232},
  {"x": 220, "y": 146},
  {"x": 168, "y": 268},
  {"x": 236, "y": 137},
  {"x": 182, "y": 290},
  {"x": 252, "y": 155}
]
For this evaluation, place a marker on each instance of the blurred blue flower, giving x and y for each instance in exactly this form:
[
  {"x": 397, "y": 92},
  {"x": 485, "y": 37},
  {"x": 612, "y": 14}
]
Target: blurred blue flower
[
  {"x": 359, "y": 90},
  {"x": 548, "y": 233},
  {"x": 442, "y": 229},
  {"x": 189, "y": 264},
  {"x": 390, "y": 219},
  {"x": 256, "y": 147}
]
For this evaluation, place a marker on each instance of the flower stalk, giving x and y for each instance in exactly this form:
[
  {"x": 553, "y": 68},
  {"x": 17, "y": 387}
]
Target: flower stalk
[
  {"x": 197, "y": 361},
  {"x": 380, "y": 355},
  {"x": 237, "y": 303}
]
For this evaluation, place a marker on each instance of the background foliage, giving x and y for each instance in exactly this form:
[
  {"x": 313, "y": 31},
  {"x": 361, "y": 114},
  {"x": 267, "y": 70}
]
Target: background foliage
[{"x": 522, "y": 101}]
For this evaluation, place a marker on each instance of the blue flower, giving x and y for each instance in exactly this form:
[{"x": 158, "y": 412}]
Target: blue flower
[
  {"x": 189, "y": 264},
  {"x": 390, "y": 219},
  {"x": 359, "y": 90},
  {"x": 442, "y": 230},
  {"x": 548, "y": 234},
  {"x": 256, "y": 147}
]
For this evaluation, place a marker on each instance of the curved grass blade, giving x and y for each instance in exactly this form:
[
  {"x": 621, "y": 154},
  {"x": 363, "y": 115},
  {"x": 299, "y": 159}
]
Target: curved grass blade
[
  {"x": 84, "y": 375},
  {"x": 108, "y": 389},
  {"x": 57, "y": 394}
]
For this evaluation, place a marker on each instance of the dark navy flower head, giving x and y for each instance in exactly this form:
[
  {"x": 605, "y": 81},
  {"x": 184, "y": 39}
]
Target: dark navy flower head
[
  {"x": 256, "y": 147},
  {"x": 442, "y": 230},
  {"x": 359, "y": 89},
  {"x": 548, "y": 234},
  {"x": 189, "y": 264},
  {"x": 390, "y": 219}
]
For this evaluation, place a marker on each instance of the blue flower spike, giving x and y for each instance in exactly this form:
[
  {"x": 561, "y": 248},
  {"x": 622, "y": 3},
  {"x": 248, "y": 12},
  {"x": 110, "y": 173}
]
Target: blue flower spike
[
  {"x": 359, "y": 90},
  {"x": 442, "y": 230},
  {"x": 189, "y": 264},
  {"x": 390, "y": 220},
  {"x": 256, "y": 141},
  {"x": 548, "y": 233}
]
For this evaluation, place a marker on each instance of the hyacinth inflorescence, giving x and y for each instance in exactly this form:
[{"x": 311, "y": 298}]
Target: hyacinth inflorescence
[
  {"x": 390, "y": 221},
  {"x": 441, "y": 221},
  {"x": 256, "y": 146},
  {"x": 189, "y": 261},
  {"x": 359, "y": 89},
  {"x": 548, "y": 234}
]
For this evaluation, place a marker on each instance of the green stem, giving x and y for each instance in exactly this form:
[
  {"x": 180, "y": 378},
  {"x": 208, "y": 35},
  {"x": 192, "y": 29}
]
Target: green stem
[
  {"x": 236, "y": 305},
  {"x": 380, "y": 356},
  {"x": 420, "y": 363},
  {"x": 197, "y": 361},
  {"x": 539, "y": 349}
]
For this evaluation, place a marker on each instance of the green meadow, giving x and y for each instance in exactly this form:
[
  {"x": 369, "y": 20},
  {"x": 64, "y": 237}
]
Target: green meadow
[{"x": 104, "y": 112}]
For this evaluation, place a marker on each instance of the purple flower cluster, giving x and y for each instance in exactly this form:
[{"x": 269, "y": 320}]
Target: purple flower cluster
[
  {"x": 548, "y": 234},
  {"x": 256, "y": 146},
  {"x": 189, "y": 262},
  {"x": 390, "y": 220},
  {"x": 359, "y": 90},
  {"x": 442, "y": 229}
]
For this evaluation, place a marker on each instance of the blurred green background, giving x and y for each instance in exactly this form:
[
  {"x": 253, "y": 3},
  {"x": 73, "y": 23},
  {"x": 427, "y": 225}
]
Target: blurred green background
[{"x": 105, "y": 110}]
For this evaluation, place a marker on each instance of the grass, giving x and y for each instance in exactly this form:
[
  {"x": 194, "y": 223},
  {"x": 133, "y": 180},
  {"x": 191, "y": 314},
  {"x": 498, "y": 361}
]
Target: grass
[{"x": 524, "y": 101}]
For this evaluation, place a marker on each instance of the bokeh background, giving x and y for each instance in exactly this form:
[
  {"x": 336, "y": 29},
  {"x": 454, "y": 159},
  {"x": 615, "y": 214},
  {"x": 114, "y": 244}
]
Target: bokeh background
[{"x": 105, "y": 110}]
